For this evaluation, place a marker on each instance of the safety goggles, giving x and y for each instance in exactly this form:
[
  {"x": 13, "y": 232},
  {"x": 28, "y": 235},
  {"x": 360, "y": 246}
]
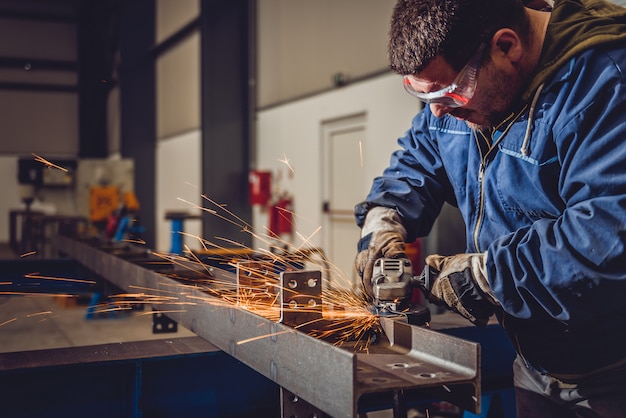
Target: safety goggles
[{"x": 457, "y": 94}]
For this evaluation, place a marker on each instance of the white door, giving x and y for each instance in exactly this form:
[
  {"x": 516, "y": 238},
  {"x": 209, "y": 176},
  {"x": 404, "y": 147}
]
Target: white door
[{"x": 344, "y": 187}]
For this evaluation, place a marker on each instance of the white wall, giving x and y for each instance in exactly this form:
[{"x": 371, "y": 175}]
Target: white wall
[
  {"x": 179, "y": 176},
  {"x": 294, "y": 131}
]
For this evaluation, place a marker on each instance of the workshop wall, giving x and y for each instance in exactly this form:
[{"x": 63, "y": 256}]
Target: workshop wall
[
  {"x": 293, "y": 132},
  {"x": 179, "y": 142},
  {"x": 38, "y": 98},
  {"x": 305, "y": 47}
]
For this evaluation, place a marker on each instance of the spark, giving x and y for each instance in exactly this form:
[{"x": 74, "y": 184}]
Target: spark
[
  {"x": 135, "y": 241},
  {"x": 28, "y": 254},
  {"x": 160, "y": 312},
  {"x": 285, "y": 161},
  {"x": 59, "y": 295},
  {"x": 6, "y": 283},
  {"x": 361, "y": 152},
  {"x": 8, "y": 322},
  {"x": 62, "y": 279},
  {"x": 39, "y": 313},
  {"x": 48, "y": 163},
  {"x": 260, "y": 337}
]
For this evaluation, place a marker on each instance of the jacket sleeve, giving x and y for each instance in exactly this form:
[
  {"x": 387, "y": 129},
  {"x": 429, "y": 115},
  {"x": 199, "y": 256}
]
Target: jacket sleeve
[
  {"x": 572, "y": 268},
  {"x": 414, "y": 183}
]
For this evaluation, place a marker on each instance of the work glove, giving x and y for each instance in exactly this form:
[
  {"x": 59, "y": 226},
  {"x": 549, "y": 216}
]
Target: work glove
[
  {"x": 462, "y": 286},
  {"x": 382, "y": 235}
]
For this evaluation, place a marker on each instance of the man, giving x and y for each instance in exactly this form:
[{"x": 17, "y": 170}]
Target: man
[{"x": 525, "y": 132}]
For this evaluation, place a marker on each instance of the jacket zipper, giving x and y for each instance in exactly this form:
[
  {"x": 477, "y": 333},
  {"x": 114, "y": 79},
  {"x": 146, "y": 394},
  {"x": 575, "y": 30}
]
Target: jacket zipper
[
  {"x": 481, "y": 176},
  {"x": 483, "y": 166}
]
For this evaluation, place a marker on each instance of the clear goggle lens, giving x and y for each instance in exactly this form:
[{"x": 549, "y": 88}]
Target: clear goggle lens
[{"x": 457, "y": 94}]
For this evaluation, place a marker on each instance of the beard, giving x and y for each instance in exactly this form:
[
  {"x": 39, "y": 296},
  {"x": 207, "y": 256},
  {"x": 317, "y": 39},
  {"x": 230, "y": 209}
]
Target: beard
[{"x": 495, "y": 103}]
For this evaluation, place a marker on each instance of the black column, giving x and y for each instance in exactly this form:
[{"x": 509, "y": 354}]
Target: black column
[
  {"x": 227, "y": 66},
  {"x": 96, "y": 45},
  {"x": 138, "y": 105}
]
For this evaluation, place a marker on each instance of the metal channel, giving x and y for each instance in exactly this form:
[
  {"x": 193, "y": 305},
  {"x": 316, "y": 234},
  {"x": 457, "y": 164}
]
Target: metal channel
[
  {"x": 440, "y": 367},
  {"x": 419, "y": 363},
  {"x": 288, "y": 357}
]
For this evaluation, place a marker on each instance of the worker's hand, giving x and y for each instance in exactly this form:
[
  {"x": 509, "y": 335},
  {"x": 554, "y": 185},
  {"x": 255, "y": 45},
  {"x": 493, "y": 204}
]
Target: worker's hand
[
  {"x": 382, "y": 236},
  {"x": 462, "y": 286}
]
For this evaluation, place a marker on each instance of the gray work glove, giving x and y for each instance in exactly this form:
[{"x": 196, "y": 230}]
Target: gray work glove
[
  {"x": 462, "y": 286},
  {"x": 382, "y": 235}
]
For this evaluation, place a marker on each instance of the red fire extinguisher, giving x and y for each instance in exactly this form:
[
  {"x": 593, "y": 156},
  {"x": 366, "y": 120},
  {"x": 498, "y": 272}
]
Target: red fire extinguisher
[
  {"x": 260, "y": 187},
  {"x": 281, "y": 216}
]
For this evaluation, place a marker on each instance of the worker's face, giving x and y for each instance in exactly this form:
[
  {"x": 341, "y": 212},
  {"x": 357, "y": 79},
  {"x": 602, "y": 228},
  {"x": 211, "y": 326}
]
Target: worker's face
[{"x": 494, "y": 92}]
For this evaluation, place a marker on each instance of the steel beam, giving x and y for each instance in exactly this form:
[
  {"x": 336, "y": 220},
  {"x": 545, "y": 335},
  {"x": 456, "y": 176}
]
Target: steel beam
[{"x": 415, "y": 363}]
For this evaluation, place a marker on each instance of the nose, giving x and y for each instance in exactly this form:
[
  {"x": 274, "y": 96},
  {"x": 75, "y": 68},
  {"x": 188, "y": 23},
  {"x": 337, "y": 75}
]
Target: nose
[{"x": 439, "y": 110}]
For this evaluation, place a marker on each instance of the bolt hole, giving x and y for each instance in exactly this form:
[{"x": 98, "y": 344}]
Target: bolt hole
[
  {"x": 293, "y": 304},
  {"x": 292, "y": 284},
  {"x": 312, "y": 303},
  {"x": 312, "y": 282},
  {"x": 427, "y": 375},
  {"x": 294, "y": 398},
  {"x": 400, "y": 365}
]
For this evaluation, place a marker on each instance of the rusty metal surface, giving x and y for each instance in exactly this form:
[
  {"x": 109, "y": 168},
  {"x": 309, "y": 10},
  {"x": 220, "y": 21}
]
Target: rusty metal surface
[{"x": 421, "y": 363}]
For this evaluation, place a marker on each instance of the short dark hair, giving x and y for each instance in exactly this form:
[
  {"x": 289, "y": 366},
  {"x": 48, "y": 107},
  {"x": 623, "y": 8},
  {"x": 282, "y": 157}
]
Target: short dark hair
[{"x": 424, "y": 29}]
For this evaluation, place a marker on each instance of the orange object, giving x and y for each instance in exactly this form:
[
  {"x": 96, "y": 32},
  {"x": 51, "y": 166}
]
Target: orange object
[
  {"x": 130, "y": 201},
  {"x": 103, "y": 201}
]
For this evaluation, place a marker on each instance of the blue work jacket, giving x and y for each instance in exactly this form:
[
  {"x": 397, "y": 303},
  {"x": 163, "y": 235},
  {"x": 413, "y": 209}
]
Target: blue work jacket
[{"x": 546, "y": 201}]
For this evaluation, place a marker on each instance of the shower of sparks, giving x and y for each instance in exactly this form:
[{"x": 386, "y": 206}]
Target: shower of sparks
[
  {"x": 345, "y": 319},
  {"x": 48, "y": 163},
  {"x": 285, "y": 161}
]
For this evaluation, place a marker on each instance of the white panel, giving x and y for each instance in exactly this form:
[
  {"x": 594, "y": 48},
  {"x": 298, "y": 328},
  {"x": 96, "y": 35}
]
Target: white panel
[
  {"x": 179, "y": 177},
  {"x": 345, "y": 184}
]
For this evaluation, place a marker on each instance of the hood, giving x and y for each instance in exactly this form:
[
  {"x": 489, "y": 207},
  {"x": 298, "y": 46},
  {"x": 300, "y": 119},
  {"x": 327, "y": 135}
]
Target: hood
[{"x": 577, "y": 25}]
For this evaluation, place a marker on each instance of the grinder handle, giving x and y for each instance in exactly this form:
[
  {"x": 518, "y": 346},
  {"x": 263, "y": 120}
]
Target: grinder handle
[{"x": 425, "y": 280}]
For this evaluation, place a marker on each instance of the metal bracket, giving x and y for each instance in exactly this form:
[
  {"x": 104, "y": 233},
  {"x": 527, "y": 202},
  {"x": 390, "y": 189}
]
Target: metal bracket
[
  {"x": 162, "y": 324},
  {"x": 300, "y": 297}
]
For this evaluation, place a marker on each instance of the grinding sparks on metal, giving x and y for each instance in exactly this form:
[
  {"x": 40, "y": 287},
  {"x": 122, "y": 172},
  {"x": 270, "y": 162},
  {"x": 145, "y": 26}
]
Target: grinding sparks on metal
[{"x": 345, "y": 318}]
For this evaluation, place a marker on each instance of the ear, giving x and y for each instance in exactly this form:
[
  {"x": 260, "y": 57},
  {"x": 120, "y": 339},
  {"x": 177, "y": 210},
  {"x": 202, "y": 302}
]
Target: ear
[{"x": 507, "y": 45}]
